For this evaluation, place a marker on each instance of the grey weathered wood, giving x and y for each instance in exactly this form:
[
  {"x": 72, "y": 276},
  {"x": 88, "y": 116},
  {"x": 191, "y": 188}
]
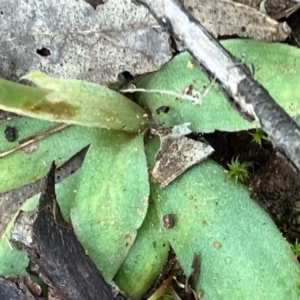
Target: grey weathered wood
[{"x": 250, "y": 98}]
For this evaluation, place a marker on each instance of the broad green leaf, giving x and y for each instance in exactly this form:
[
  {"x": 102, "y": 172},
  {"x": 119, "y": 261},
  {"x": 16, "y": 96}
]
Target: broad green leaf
[
  {"x": 276, "y": 66},
  {"x": 243, "y": 255},
  {"x": 13, "y": 261},
  {"x": 112, "y": 199},
  {"x": 71, "y": 101},
  {"x": 146, "y": 258},
  {"x": 21, "y": 168}
]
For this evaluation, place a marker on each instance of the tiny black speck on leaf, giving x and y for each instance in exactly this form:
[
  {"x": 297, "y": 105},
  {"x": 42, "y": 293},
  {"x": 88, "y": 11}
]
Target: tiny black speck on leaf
[
  {"x": 162, "y": 109},
  {"x": 10, "y": 133}
]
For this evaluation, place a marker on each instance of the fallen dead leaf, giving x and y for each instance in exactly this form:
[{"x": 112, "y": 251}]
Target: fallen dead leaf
[
  {"x": 225, "y": 17},
  {"x": 69, "y": 38},
  {"x": 177, "y": 153}
]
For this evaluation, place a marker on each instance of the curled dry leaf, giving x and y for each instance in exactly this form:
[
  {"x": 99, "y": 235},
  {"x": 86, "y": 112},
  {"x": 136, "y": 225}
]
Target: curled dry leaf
[
  {"x": 230, "y": 18},
  {"x": 177, "y": 153},
  {"x": 276, "y": 9},
  {"x": 68, "y": 38}
]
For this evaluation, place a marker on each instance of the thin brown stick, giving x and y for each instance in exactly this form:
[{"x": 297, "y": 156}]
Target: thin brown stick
[
  {"x": 163, "y": 287},
  {"x": 35, "y": 139}
]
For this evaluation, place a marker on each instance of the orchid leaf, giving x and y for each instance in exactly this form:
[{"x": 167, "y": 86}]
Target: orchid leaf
[
  {"x": 112, "y": 199},
  {"x": 71, "y": 101},
  {"x": 189, "y": 96}
]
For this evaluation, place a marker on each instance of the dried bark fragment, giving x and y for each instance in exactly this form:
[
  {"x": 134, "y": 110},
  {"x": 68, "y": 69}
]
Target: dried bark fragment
[
  {"x": 19, "y": 288},
  {"x": 53, "y": 248},
  {"x": 177, "y": 153},
  {"x": 229, "y": 18},
  {"x": 276, "y": 9},
  {"x": 11, "y": 201}
]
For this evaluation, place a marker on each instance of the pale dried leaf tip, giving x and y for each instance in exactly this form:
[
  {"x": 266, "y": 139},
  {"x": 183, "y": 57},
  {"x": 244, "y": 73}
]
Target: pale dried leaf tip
[{"x": 177, "y": 153}]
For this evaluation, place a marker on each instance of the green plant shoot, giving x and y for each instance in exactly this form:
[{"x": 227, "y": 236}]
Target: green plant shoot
[
  {"x": 258, "y": 136},
  {"x": 238, "y": 171},
  {"x": 296, "y": 248}
]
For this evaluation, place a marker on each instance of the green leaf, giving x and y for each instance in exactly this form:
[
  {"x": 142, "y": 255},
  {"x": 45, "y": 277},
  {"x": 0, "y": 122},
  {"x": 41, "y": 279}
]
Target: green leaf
[
  {"x": 243, "y": 255},
  {"x": 13, "y": 261},
  {"x": 112, "y": 199},
  {"x": 14, "y": 96},
  {"x": 145, "y": 259},
  {"x": 276, "y": 67},
  {"x": 21, "y": 168},
  {"x": 73, "y": 102}
]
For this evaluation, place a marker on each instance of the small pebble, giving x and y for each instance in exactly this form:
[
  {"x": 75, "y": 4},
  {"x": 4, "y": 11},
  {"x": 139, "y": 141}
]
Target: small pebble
[
  {"x": 168, "y": 221},
  {"x": 163, "y": 109}
]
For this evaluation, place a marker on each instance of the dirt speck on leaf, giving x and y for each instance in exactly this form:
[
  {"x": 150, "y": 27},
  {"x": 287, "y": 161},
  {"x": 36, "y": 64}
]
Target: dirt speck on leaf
[{"x": 10, "y": 133}]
